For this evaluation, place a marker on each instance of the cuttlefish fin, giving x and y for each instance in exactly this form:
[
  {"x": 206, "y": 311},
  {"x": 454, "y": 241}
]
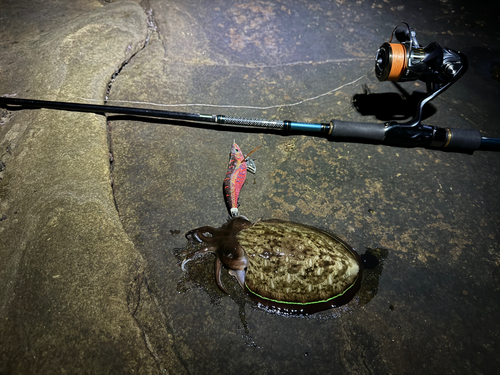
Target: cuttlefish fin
[
  {"x": 218, "y": 272},
  {"x": 239, "y": 275}
]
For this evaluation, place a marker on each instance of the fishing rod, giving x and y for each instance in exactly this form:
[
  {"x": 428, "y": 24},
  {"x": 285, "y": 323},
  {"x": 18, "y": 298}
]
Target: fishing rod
[{"x": 400, "y": 61}]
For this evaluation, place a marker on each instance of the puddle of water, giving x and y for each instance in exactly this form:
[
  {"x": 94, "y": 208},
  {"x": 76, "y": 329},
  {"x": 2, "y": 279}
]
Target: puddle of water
[{"x": 199, "y": 274}]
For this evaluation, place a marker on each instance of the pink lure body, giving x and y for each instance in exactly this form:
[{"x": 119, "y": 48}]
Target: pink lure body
[{"x": 235, "y": 178}]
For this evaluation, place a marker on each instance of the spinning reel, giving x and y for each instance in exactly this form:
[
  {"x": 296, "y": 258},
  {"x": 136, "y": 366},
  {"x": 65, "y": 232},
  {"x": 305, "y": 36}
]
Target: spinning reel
[{"x": 406, "y": 60}]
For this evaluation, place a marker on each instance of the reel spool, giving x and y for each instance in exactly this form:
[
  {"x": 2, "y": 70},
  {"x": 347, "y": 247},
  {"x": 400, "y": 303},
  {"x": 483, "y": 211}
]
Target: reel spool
[{"x": 391, "y": 61}]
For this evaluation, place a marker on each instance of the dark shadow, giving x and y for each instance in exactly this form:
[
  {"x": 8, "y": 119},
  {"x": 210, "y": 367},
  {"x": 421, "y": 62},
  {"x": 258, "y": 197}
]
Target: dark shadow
[
  {"x": 373, "y": 265},
  {"x": 486, "y": 62},
  {"x": 392, "y": 106}
]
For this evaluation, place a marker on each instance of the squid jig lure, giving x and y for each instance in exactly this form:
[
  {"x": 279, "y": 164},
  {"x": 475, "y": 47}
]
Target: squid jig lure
[{"x": 235, "y": 177}]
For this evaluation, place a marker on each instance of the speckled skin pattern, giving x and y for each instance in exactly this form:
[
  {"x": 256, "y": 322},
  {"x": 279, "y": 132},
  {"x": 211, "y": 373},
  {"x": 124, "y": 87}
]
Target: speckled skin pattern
[
  {"x": 296, "y": 263},
  {"x": 281, "y": 261}
]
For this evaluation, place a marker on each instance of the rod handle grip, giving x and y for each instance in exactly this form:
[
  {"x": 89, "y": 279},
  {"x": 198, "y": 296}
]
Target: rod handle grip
[
  {"x": 464, "y": 140},
  {"x": 364, "y": 130}
]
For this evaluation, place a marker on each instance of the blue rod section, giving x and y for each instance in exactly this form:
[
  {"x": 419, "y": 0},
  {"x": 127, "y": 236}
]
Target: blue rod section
[
  {"x": 490, "y": 144},
  {"x": 306, "y": 127}
]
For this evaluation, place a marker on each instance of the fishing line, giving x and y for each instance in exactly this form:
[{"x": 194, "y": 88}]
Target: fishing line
[
  {"x": 273, "y": 66},
  {"x": 231, "y": 105}
]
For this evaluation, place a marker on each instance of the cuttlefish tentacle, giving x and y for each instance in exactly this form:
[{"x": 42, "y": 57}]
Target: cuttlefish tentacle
[
  {"x": 199, "y": 234},
  {"x": 239, "y": 275},
  {"x": 218, "y": 274},
  {"x": 195, "y": 254},
  {"x": 218, "y": 263}
]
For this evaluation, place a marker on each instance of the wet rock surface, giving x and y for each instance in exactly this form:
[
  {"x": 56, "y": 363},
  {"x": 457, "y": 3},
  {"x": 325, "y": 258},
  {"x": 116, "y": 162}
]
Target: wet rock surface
[
  {"x": 100, "y": 287},
  {"x": 69, "y": 271}
]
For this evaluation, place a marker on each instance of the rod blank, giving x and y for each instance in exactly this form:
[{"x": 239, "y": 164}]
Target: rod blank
[{"x": 460, "y": 140}]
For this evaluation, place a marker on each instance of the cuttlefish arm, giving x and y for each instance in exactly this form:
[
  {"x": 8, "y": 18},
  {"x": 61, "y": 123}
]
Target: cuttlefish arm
[
  {"x": 239, "y": 275},
  {"x": 218, "y": 266},
  {"x": 218, "y": 274},
  {"x": 204, "y": 234},
  {"x": 195, "y": 254}
]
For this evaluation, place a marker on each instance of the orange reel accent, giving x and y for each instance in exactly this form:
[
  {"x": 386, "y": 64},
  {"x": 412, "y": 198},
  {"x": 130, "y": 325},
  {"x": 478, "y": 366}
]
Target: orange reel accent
[{"x": 398, "y": 63}]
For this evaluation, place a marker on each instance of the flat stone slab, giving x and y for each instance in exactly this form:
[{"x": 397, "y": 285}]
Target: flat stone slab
[{"x": 427, "y": 212}]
